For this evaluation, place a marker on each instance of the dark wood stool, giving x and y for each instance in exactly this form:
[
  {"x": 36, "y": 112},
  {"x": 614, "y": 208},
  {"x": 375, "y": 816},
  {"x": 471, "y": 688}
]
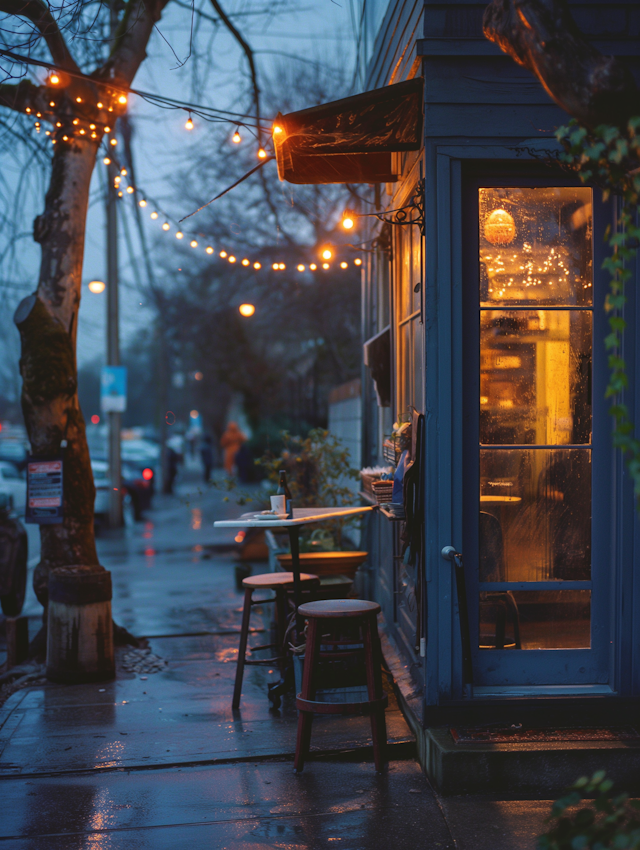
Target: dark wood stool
[
  {"x": 281, "y": 583},
  {"x": 330, "y": 615}
]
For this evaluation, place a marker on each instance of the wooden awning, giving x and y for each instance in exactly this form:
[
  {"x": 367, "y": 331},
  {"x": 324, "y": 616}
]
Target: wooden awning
[{"x": 350, "y": 140}]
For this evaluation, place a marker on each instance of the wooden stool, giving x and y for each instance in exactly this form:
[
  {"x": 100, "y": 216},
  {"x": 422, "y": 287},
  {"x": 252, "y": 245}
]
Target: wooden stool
[
  {"x": 332, "y": 613},
  {"x": 281, "y": 583}
]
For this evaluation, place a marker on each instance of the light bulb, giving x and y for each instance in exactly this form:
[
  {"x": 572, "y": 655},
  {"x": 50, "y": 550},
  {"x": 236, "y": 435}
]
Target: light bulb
[
  {"x": 357, "y": 261},
  {"x": 247, "y": 310},
  {"x": 193, "y": 243},
  {"x": 257, "y": 265},
  {"x": 246, "y": 262},
  {"x": 75, "y": 121},
  {"x": 275, "y": 267},
  {"x": 54, "y": 79},
  {"x": 92, "y": 126},
  {"x": 52, "y": 103},
  {"x": 281, "y": 266},
  {"x": 58, "y": 124},
  {"x": 262, "y": 153},
  {"x": 124, "y": 172},
  {"x": 94, "y": 135},
  {"x": 78, "y": 100},
  {"x": 179, "y": 234},
  {"x": 277, "y": 130},
  {"x": 120, "y": 194},
  {"x": 82, "y": 132},
  {"x": 130, "y": 190},
  {"x": 65, "y": 138},
  {"x": 154, "y": 215},
  {"x": 189, "y": 124},
  {"x": 236, "y": 138},
  {"x": 99, "y": 105},
  {"x": 327, "y": 254},
  {"x": 96, "y": 286},
  {"x": 325, "y": 265},
  {"x": 300, "y": 267},
  {"x": 114, "y": 142},
  {"x": 232, "y": 259},
  {"x": 47, "y": 132},
  {"x": 166, "y": 226},
  {"x": 28, "y": 109},
  {"x": 117, "y": 180},
  {"x": 347, "y": 222},
  {"x": 142, "y": 203},
  {"x": 209, "y": 249},
  {"x": 313, "y": 267},
  {"x": 344, "y": 265},
  {"x": 122, "y": 99},
  {"x": 223, "y": 254}
]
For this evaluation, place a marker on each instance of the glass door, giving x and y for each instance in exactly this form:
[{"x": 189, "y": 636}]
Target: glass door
[{"x": 536, "y": 618}]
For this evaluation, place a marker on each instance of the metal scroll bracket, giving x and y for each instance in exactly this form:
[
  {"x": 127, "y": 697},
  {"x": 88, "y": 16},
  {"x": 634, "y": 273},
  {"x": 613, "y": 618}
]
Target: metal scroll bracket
[{"x": 449, "y": 553}]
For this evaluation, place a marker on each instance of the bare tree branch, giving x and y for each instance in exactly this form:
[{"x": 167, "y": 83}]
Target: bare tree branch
[
  {"x": 542, "y": 36},
  {"x": 20, "y": 95},
  {"x": 131, "y": 39},
  {"x": 41, "y": 17}
]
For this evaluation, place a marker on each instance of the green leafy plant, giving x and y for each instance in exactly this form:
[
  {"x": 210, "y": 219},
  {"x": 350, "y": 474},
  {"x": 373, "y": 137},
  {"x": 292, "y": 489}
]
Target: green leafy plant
[
  {"x": 609, "y": 157},
  {"x": 604, "y": 821}
]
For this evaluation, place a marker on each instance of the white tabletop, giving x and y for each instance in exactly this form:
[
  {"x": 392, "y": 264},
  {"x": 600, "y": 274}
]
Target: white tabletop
[{"x": 301, "y": 516}]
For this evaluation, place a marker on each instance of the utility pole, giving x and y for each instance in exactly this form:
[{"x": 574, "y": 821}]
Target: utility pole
[{"x": 113, "y": 345}]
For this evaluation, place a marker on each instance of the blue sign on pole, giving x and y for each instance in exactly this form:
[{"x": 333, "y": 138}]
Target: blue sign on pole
[{"x": 113, "y": 389}]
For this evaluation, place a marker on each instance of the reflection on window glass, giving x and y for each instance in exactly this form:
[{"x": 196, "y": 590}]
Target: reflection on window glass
[
  {"x": 540, "y": 619},
  {"x": 535, "y": 515},
  {"x": 535, "y": 377},
  {"x": 535, "y": 246}
]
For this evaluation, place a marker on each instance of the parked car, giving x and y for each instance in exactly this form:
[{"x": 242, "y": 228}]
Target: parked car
[
  {"x": 14, "y": 482},
  {"x": 137, "y": 488}
]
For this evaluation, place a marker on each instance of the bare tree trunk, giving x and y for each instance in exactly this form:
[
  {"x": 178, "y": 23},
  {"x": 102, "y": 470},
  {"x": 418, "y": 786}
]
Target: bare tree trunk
[{"x": 47, "y": 322}]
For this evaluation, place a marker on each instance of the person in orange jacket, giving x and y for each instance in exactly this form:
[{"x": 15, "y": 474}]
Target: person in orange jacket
[{"x": 230, "y": 442}]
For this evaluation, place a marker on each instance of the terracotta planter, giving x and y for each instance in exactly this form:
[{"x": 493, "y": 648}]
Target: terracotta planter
[{"x": 326, "y": 563}]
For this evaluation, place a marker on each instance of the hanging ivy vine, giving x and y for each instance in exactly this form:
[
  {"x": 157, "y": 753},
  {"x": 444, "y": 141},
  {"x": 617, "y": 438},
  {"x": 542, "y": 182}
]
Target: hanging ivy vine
[{"x": 609, "y": 157}]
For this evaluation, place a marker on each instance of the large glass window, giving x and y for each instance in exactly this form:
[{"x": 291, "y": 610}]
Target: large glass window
[
  {"x": 536, "y": 273},
  {"x": 408, "y": 317}
]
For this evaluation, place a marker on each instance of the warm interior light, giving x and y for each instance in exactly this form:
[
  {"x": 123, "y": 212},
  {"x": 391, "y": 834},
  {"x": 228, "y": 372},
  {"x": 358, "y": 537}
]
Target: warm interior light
[
  {"x": 300, "y": 267},
  {"x": 194, "y": 243},
  {"x": 189, "y": 124},
  {"x": 327, "y": 254},
  {"x": 223, "y": 254},
  {"x": 246, "y": 262},
  {"x": 357, "y": 261},
  {"x": 313, "y": 267},
  {"x": 166, "y": 226},
  {"x": 343, "y": 265},
  {"x": 262, "y": 153},
  {"x": 236, "y": 138},
  {"x": 179, "y": 234},
  {"x": 122, "y": 99},
  {"x": 142, "y": 203},
  {"x": 54, "y": 79},
  {"x": 232, "y": 259},
  {"x": 209, "y": 249},
  {"x": 97, "y": 286},
  {"x": 325, "y": 265},
  {"x": 257, "y": 265},
  {"x": 247, "y": 310}
]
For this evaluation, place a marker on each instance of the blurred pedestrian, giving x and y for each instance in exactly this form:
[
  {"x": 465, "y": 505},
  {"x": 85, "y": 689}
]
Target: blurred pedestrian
[
  {"x": 206, "y": 453},
  {"x": 231, "y": 441}
]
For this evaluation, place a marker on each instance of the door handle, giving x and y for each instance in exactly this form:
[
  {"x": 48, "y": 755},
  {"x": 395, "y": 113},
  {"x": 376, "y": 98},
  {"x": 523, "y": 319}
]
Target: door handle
[{"x": 450, "y": 553}]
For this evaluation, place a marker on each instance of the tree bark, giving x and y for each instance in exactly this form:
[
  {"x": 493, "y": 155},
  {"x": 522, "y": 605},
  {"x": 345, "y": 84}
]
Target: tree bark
[
  {"x": 542, "y": 36},
  {"x": 47, "y": 322}
]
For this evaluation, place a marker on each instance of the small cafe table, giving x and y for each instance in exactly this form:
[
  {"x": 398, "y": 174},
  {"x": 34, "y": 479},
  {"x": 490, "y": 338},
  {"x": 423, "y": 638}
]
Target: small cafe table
[{"x": 301, "y": 516}]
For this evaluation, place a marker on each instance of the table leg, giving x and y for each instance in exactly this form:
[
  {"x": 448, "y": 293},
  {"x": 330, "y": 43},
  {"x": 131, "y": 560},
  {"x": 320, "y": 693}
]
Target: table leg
[{"x": 294, "y": 541}]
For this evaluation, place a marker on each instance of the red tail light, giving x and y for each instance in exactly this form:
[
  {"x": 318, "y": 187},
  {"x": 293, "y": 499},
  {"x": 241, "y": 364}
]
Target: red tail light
[{"x": 147, "y": 474}]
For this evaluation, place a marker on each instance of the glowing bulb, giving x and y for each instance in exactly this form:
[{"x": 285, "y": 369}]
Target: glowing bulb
[
  {"x": 94, "y": 135},
  {"x": 325, "y": 265},
  {"x": 47, "y": 132},
  {"x": 275, "y": 267},
  {"x": 124, "y": 172},
  {"x": 232, "y": 259},
  {"x": 58, "y": 124},
  {"x": 236, "y": 138},
  {"x": 52, "y": 103},
  {"x": 82, "y": 132},
  {"x": 327, "y": 254},
  {"x": 300, "y": 267},
  {"x": 347, "y": 222},
  {"x": 54, "y": 79},
  {"x": 92, "y": 126},
  {"x": 117, "y": 179},
  {"x": 75, "y": 121},
  {"x": 193, "y": 243},
  {"x": 313, "y": 267},
  {"x": 262, "y": 153},
  {"x": 38, "y": 114},
  {"x": 277, "y": 129},
  {"x": 65, "y": 138},
  {"x": 99, "y": 105},
  {"x": 78, "y": 100},
  {"x": 120, "y": 194},
  {"x": 97, "y": 286},
  {"x": 179, "y": 234},
  {"x": 223, "y": 254},
  {"x": 209, "y": 249},
  {"x": 344, "y": 265},
  {"x": 246, "y": 262},
  {"x": 142, "y": 203},
  {"x": 122, "y": 99},
  {"x": 166, "y": 226},
  {"x": 247, "y": 310},
  {"x": 28, "y": 109},
  {"x": 357, "y": 261},
  {"x": 154, "y": 215},
  {"x": 189, "y": 124},
  {"x": 257, "y": 265},
  {"x": 130, "y": 190},
  {"x": 107, "y": 129},
  {"x": 114, "y": 142},
  {"x": 281, "y": 266}
]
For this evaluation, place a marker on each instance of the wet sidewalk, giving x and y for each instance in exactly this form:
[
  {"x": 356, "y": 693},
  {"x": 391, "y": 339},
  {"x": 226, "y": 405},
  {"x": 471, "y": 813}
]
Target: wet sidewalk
[{"x": 159, "y": 759}]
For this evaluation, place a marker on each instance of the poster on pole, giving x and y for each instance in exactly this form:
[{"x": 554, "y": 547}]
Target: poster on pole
[
  {"x": 44, "y": 491},
  {"x": 113, "y": 389}
]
